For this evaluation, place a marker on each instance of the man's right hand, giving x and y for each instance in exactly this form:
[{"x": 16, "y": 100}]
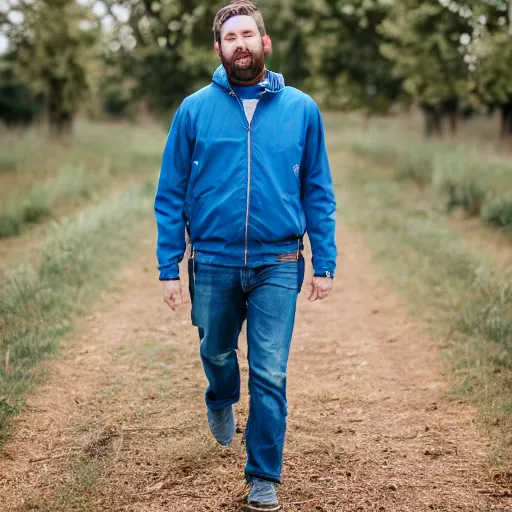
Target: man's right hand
[{"x": 172, "y": 294}]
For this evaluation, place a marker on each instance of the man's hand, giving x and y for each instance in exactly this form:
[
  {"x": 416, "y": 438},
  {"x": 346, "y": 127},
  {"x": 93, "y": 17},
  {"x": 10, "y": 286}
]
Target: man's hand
[
  {"x": 172, "y": 294},
  {"x": 319, "y": 288}
]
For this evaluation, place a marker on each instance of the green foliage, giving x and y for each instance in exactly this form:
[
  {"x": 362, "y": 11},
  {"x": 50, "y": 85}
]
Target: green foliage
[
  {"x": 51, "y": 53},
  {"x": 416, "y": 166},
  {"x": 166, "y": 48},
  {"x": 498, "y": 212},
  {"x": 494, "y": 77},
  {"x": 9, "y": 225},
  {"x": 64, "y": 177},
  {"x": 465, "y": 195},
  {"x": 455, "y": 182},
  {"x": 115, "y": 101},
  {"x": 290, "y": 24},
  {"x": 7, "y": 164},
  {"x": 17, "y": 105},
  {"x": 490, "y": 53},
  {"x": 449, "y": 56},
  {"x": 455, "y": 177},
  {"x": 347, "y": 55},
  {"x": 21, "y": 207},
  {"x": 423, "y": 40},
  {"x": 38, "y": 207}
]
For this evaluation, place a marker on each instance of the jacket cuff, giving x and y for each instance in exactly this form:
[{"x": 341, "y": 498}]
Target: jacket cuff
[
  {"x": 324, "y": 273},
  {"x": 171, "y": 273}
]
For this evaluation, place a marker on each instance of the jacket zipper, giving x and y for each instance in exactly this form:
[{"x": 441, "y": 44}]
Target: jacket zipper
[
  {"x": 248, "y": 203},
  {"x": 246, "y": 254}
]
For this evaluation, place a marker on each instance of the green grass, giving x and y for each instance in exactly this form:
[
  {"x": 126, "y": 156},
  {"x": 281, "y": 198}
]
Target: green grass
[
  {"x": 38, "y": 303},
  {"x": 41, "y": 200},
  {"x": 498, "y": 212},
  {"x": 451, "y": 288},
  {"x": 455, "y": 174},
  {"x": 39, "y": 176}
]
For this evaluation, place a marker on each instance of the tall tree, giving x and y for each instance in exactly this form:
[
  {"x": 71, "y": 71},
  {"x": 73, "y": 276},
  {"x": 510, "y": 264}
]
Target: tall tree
[
  {"x": 51, "y": 46},
  {"x": 426, "y": 44},
  {"x": 357, "y": 74},
  {"x": 170, "y": 52},
  {"x": 489, "y": 57},
  {"x": 289, "y": 24}
]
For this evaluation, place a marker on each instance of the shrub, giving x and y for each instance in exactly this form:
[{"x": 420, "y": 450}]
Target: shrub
[
  {"x": 498, "y": 212},
  {"x": 38, "y": 206},
  {"x": 9, "y": 226},
  {"x": 417, "y": 168},
  {"x": 8, "y": 163}
]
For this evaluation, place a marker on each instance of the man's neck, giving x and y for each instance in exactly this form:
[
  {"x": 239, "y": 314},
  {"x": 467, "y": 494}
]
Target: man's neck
[{"x": 248, "y": 83}]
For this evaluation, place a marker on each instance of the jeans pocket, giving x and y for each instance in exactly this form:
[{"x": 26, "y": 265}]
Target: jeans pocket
[
  {"x": 191, "y": 278},
  {"x": 300, "y": 274}
]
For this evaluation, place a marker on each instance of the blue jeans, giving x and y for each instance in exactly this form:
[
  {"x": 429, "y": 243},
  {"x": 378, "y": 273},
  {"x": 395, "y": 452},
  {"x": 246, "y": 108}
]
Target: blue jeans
[{"x": 222, "y": 298}]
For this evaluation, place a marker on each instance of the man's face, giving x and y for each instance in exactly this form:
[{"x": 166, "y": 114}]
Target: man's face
[{"x": 241, "y": 48}]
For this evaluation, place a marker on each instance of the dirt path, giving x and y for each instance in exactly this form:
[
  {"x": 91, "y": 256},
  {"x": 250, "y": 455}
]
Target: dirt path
[{"x": 120, "y": 423}]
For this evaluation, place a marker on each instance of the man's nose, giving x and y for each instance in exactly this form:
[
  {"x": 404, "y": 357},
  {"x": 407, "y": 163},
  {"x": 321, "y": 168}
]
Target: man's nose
[{"x": 240, "y": 44}]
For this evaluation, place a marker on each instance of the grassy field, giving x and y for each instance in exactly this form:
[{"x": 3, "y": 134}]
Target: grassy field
[
  {"x": 92, "y": 195},
  {"x": 454, "y": 173},
  {"x": 41, "y": 180},
  {"x": 89, "y": 196},
  {"x": 398, "y": 191}
]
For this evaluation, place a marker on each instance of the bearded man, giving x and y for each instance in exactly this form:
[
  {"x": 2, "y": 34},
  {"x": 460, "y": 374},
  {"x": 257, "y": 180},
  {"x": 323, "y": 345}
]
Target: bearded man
[{"x": 245, "y": 170}]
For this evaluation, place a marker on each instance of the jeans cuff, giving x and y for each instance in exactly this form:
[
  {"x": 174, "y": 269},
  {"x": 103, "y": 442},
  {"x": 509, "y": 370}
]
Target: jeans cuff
[
  {"x": 221, "y": 404},
  {"x": 249, "y": 477}
]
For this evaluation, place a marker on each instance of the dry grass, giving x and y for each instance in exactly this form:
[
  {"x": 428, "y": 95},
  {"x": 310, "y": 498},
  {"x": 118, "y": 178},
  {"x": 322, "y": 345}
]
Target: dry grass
[
  {"x": 38, "y": 303},
  {"x": 460, "y": 294},
  {"x": 119, "y": 422},
  {"x": 370, "y": 426}
]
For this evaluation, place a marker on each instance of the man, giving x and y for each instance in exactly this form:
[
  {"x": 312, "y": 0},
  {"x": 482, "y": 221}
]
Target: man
[{"x": 245, "y": 171}]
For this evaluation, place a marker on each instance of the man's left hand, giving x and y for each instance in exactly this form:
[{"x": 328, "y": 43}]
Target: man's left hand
[{"x": 319, "y": 288}]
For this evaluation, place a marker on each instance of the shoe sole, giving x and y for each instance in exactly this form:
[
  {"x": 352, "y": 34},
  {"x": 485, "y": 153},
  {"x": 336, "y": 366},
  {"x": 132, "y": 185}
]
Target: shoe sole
[{"x": 260, "y": 508}]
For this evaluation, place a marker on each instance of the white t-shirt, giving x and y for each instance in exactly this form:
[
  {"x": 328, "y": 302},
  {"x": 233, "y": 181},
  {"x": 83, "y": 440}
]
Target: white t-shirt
[{"x": 250, "y": 108}]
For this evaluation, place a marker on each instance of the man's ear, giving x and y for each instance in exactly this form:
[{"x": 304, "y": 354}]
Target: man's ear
[
  {"x": 267, "y": 45},
  {"x": 216, "y": 46}
]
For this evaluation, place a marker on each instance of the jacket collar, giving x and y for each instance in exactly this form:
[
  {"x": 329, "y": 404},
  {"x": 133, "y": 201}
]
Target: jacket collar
[{"x": 274, "y": 82}]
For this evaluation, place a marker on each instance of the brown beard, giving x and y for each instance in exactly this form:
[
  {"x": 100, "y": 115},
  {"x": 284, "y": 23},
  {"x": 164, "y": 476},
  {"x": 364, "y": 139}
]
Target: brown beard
[{"x": 246, "y": 76}]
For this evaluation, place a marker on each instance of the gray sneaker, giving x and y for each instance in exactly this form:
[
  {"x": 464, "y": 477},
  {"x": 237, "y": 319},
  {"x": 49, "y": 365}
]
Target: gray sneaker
[
  {"x": 262, "y": 497},
  {"x": 222, "y": 424}
]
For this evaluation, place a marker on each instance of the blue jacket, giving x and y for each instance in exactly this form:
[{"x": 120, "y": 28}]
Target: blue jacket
[{"x": 246, "y": 194}]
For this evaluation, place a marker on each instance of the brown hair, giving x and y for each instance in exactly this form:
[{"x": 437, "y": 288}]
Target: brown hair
[{"x": 237, "y": 8}]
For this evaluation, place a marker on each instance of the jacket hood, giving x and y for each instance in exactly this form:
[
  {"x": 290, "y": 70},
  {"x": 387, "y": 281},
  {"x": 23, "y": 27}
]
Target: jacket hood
[{"x": 274, "y": 82}]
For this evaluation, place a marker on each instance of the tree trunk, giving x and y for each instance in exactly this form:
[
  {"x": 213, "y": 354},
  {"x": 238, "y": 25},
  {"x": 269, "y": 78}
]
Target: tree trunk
[
  {"x": 438, "y": 122},
  {"x": 59, "y": 116},
  {"x": 433, "y": 120},
  {"x": 61, "y": 124},
  {"x": 506, "y": 120},
  {"x": 454, "y": 123},
  {"x": 451, "y": 109},
  {"x": 427, "y": 121}
]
